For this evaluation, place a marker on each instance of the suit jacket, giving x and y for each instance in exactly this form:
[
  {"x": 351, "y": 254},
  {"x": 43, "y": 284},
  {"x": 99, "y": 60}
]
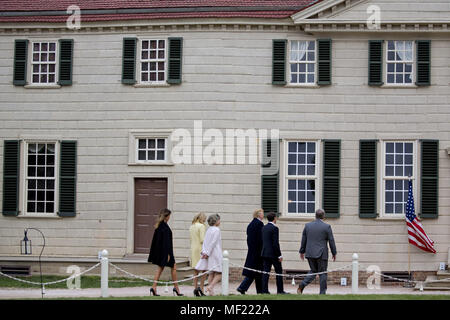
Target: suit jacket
[
  {"x": 254, "y": 244},
  {"x": 271, "y": 245},
  {"x": 162, "y": 246},
  {"x": 315, "y": 238}
]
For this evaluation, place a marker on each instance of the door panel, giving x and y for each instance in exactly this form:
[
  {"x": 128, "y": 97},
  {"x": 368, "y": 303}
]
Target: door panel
[{"x": 150, "y": 197}]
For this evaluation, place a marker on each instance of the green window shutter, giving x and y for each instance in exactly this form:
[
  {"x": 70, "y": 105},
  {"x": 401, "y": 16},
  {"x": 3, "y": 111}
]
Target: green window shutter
[
  {"x": 270, "y": 176},
  {"x": 68, "y": 179},
  {"x": 129, "y": 61},
  {"x": 175, "y": 60},
  {"x": 423, "y": 62},
  {"x": 324, "y": 61},
  {"x": 279, "y": 62},
  {"x": 65, "y": 62},
  {"x": 375, "y": 63},
  {"x": 368, "y": 178},
  {"x": 11, "y": 166},
  {"x": 20, "y": 62},
  {"x": 429, "y": 178},
  {"x": 331, "y": 177}
]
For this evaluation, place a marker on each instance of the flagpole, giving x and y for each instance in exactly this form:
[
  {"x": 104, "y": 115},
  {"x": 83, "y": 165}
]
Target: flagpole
[
  {"x": 409, "y": 249},
  {"x": 409, "y": 255}
]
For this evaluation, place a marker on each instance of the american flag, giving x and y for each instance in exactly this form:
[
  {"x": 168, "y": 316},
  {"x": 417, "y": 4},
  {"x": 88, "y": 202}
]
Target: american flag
[{"x": 416, "y": 234}]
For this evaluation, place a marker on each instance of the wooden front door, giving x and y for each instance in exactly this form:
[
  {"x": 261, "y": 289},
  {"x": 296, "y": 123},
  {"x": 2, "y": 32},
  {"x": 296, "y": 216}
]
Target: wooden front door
[{"x": 150, "y": 196}]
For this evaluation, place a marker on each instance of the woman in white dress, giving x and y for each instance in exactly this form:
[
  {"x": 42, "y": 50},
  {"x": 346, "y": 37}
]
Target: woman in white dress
[{"x": 211, "y": 255}]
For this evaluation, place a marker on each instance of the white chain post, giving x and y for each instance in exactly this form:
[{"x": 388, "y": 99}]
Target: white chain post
[
  {"x": 355, "y": 270},
  {"x": 104, "y": 274},
  {"x": 225, "y": 272}
]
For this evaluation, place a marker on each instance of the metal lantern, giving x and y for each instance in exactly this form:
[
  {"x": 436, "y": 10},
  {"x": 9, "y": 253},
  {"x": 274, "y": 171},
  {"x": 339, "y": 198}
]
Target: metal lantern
[{"x": 25, "y": 245}]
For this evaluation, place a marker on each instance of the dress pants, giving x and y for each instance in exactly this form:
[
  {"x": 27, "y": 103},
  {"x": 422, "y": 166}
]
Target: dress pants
[
  {"x": 317, "y": 265},
  {"x": 246, "y": 283},
  {"x": 267, "y": 265}
]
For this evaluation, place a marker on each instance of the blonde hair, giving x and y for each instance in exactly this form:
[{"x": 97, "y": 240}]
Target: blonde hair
[
  {"x": 256, "y": 212},
  {"x": 163, "y": 214},
  {"x": 199, "y": 217}
]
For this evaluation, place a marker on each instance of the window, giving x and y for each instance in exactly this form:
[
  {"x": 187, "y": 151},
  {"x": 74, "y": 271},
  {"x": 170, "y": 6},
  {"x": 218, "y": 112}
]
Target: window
[
  {"x": 301, "y": 177},
  {"x": 43, "y": 63},
  {"x": 40, "y": 177},
  {"x": 399, "y": 166},
  {"x": 399, "y": 62},
  {"x": 302, "y": 61},
  {"x": 151, "y": 150},
  {"x": 153, "y": 61}
]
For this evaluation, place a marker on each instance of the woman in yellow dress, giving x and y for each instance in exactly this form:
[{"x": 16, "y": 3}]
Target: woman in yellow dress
[{"x": 197, "y": 231}]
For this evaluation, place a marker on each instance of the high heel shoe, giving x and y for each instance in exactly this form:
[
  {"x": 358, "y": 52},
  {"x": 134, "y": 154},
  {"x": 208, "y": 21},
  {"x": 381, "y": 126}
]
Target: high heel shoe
[
  {"x": 152, "y": 291},
  {"x": 196, "y": 292},
  {"x": 175, "y": 291},
  {"x": 200, "y": 292}
]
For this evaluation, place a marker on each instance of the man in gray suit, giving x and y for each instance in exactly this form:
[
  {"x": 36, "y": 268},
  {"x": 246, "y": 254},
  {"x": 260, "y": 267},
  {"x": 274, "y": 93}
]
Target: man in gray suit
[{"x": 314, "y": 247}]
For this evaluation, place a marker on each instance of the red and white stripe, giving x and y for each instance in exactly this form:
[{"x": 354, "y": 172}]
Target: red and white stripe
[{"x": 418, "y": 237}]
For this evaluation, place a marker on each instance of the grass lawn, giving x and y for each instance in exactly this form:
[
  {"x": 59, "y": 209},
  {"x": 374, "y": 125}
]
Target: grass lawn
[
  {"x": 261, "y": 298},
  {"x": 86, "y": 282}
]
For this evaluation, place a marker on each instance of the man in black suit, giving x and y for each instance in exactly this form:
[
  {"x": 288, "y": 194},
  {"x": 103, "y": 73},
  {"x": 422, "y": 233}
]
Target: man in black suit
[
  {"x": 271, "y": 254},
  {"x": 254, "y": 260},
  {"x": 315, "y": 239}
]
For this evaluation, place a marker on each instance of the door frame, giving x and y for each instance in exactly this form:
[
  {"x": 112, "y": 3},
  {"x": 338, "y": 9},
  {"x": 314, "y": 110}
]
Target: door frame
[{"x": 131, "y": 198}]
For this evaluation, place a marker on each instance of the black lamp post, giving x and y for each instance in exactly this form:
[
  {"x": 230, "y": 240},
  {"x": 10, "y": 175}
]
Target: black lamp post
[{"x": 25, "y": 248}]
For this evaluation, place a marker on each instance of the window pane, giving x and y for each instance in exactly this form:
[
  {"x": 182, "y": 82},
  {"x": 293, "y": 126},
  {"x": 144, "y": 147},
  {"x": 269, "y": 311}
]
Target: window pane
[
  {"x": 292, "y": 158},
  {"x": 292, "y": 146},
  {"x": 292, "y": 207},
  {"x": 301, "y": 170},
  {"x": 32, "y": 195},
  {"x": 160, "y": 155},
  {"x": 31, "y": 207},
  {"x": 301, "y": 78},
  {"x": 151, "y": 155},
  {"x": 50, "y": 184},
  {"x": 142, "y": 143},
  {"x": 141, "y": 155},
  {"x": 301, "y": 158},
  {"x": 50, "y": 207},
  {"x": 40, "y": 207},
  {"x": 389, "y": 170},
  {"x": 389, "y": 208},
  {"x": 301, "y": 207},
  {"x": 301, "y": 147},
  {"x": 389, "y": 196},
  {"x": 151, "y": 143},
  {"x": 161, "y": 143},
  {"x": 292, "y": 170}
]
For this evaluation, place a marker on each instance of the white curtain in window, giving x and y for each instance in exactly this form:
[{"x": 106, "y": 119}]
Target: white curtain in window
[
  {"x": 404, "y": 50},
  {"x": 298, "y": 50}
]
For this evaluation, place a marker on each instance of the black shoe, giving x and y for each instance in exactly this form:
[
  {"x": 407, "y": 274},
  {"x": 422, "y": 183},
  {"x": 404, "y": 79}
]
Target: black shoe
[
  {"x": 196, "y": 293},
  {"x": 240, "y": 291},
  {"x": 200, "y": 292},
  {"x": 175, "y": 291},
  {"x": 152, "y": 291},
  {"x": 284, "y": 292}
]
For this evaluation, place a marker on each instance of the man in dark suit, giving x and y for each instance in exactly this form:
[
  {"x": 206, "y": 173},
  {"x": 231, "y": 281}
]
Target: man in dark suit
[
  {"x": 315, "y": 239},
  {"x": 271, "y": 253},
  {"x": 254, "y": 260}
]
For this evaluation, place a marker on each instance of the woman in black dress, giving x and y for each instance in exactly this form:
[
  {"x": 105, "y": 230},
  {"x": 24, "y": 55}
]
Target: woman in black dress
[{"x": 161, "y": 251}]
